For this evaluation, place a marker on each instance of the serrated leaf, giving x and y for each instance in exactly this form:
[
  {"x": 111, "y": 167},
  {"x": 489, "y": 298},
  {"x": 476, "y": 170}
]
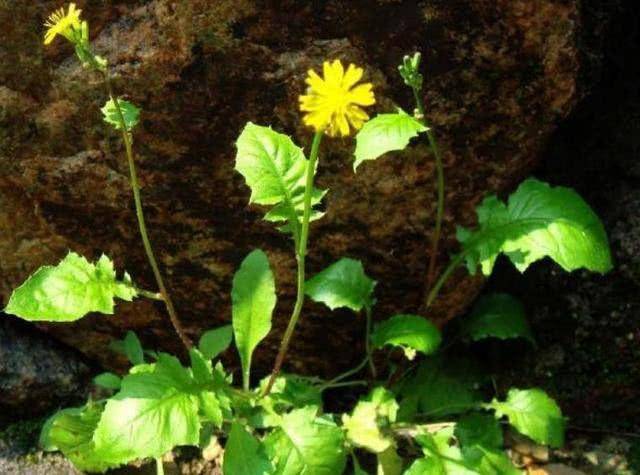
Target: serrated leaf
[
  {"x": 306, "y": 444},
  {"x": 244, "y": 454},
  {"x": 130, "y": 113},
  {"x": 538, "y": 221},
  {"x": 385, "y": 133},
  {"x": 108, "y": 381},
  {"x": 69, "y": 291},
  {"x": 497, "y": 316},
  {"x": 71, "y": 431},
  {"x": 408, "y": 332},
  {"x": 368, "y": 425},
  {"x": 442, "y": 386},
  {"x": 253, "y": 299},
  {"x": 153, "y": 413},
  {"x": 214, "y": 342},
  {"x": 275, "y": 169},
  {"x": 342, "y": 284},
  {"x": 533, "y": 413}
]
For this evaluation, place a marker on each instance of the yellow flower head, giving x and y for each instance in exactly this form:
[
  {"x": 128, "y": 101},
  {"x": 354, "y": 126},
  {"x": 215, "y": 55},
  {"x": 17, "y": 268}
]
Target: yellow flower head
[
  {"x": 333, "y": 102},
  {"x": 61, "y": 23}
]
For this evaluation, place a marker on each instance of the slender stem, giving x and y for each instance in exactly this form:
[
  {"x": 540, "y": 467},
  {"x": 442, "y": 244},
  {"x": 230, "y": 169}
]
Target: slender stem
[
  {"x": 367, "y": 343},
  {"x": 359, "y": 382},
  {"x": 150, "y": 295},
  {"x": 301, "y": 254},
  {"x": 141, "y": 221},
  {"x": 159, "y": 467},
  {"x": 435, "y": 290},
  {"x": 346, "y": 374},
  {"x": 440, "y": 182}
]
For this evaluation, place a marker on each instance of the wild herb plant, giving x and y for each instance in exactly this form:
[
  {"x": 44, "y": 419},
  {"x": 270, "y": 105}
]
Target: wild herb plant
[{"x": 433, "y": 419}]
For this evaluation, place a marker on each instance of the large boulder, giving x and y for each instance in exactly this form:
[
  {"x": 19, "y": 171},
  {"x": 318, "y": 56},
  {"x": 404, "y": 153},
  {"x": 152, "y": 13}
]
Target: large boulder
[{"x": 500, "y": 75}]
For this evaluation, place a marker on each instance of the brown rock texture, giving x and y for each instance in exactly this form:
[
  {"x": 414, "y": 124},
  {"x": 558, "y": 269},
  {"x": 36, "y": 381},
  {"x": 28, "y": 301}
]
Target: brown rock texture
[{"x": 500, "y": 74}]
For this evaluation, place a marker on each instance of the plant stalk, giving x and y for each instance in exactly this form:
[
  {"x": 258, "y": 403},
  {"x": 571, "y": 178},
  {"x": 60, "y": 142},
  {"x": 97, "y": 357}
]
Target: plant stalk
[
  {"x": 435, "y": 290},
  {"x": 435, "y": 242},
  {"x": 141, "y": 221},
  {"x": 159, "y": 467},
  {"x": 301, "y": 254}
]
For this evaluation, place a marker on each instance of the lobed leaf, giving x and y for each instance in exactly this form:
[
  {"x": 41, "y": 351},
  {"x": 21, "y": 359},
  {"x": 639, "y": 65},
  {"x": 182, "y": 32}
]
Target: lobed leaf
[
  {"x": 342, "y": 284},
  {"x": 497, "y": 316},
  {"x": 275, "y": 169},
  {"x": 410, "y": 332},
  {"x": 385, "y": 133},
  {"x": 130, "y": 113},
  {"x": 253, "y": 299},
  {"x": 534, "y": 414},
  {"x": 538, "y": 221},
  {"x": 70, "y": 290},
  {"x": 366, "y": 426}
]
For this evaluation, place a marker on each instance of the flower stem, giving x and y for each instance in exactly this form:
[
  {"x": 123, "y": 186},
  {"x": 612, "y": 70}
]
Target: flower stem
[
  {"x": 159, "y": 467},
  {"x": 301, "y": 253},
  {"x": 435, "y": 290},
  {"x": 141, "y": 221},
  {"x": 440, "y": 183}
]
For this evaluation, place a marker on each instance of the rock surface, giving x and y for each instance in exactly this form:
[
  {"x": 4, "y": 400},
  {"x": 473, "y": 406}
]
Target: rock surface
[{"x": 500, "y": 75}]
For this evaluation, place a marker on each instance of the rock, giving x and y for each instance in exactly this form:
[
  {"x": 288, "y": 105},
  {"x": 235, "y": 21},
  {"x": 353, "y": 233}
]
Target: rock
[
  {"x": 36, "y": 373},
  {"x": 500, "y": 75},
  {"x": 554, "y": 469}
]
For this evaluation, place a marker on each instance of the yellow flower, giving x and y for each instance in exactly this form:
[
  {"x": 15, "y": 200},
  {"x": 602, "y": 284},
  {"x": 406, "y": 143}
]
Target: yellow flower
[
  {"x": 333, "y": 102},
  {"x": 61, "y": 23}
]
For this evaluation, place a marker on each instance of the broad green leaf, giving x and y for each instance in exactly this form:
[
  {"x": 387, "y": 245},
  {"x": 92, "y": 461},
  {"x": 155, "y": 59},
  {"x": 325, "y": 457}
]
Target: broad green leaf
[
  {"x": 441, "y": 456},
  {"x": 486, "y": 461},
  {"x": 69, "y": 291},
  {"x": 342, "y": 284},
  {"x": 214, "y": 342},
  {"x": 253, "y": 298},
  {"x": 410, "y": 332},
  {"x": 130, "y": 113},
  {"x": 108, "y": 381},
  {"x": 306, "y": 444},
  {"x": 442, "y": 386},
  {"x": 497, "y": 316},
  {"x": 244, "y": 454},
  {"x": 368, "y": 425},
  {"x": 384, "y": 133},
  {"x": 479, "y": 429},
  {"x": 534, "y": 414},
  {"x": 538, "y": 221},
  {"x": 153, "y": 413},
  {"x": 71, "y": 431},
  {"x": 275, "y": 169}
]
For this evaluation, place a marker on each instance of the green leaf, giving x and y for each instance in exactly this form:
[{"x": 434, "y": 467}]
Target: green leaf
[
  {"x": 538, "y": 221},
  {"x": 441, "y": 456},
  {"x": 244, "y": 454},
  {"x": 410, "y": 332},
  {"x": 389, "y": 462},
  {"x": 275, "y": 169},
  {"x": 214, "y": 342},
  {"x": 153, "y": 413},
  {"x": 133, "y": 348},
  {"x": 71, "y": 431},
  {"x": 442, "y": 386},
  {"x": 253, "y": 298},
  {"x": 342, "y": 284},
  {"x": 108, "y": 381},
  {"x": 368, "y": 426},
  {"x": 534, "y": 414},
  {"x": 384, "y": 133},
  {"x": 69, "y": 291},
  {"x": 306, "y": 444},
  {"x": 130, "y": 113},
  {"x": 479, "y": 429},
  {"x": 497, "y": 316}
]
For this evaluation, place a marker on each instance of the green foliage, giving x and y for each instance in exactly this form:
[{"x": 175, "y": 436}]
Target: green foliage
[
  {"x": 130, "y": 347},
  {"x": 368, "y": 425},
  {"x": 479, "y": 429},
  {"x": 70, "y": 290},
  {"x": 214, "y": 342},
  {"x": 537, "y": 221},
  {"x": 275, "y": 169},
  {"x": 254, "y": 298},
  {"x": 534, "y": 414},
  {"x": 108, "y": 381},
  {"x": 385, "y": 133},
  {"x": 244, "y": 454},
  {"x": 130, "y": 114},
  {"x": 342, "y": 284},
  {"x": 410, "y": 332},
  {"x": 497, "y": 316},
  {"x": 410, "y": 71},
  {"x": 307, "y": 444}
]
